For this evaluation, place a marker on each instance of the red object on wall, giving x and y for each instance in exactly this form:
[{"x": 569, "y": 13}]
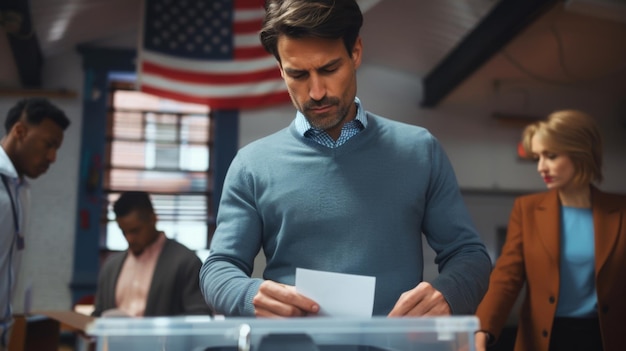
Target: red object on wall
[
  {"x": 84, "y": 219},
  {"x": 520, "y": 150}
]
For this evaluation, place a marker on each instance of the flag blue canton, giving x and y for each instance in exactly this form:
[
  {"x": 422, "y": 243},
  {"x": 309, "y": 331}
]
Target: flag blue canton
[{"x": 198, "y": 29}]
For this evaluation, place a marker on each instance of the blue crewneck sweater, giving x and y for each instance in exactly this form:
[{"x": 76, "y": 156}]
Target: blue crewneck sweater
[{"x": 356, "y": 209}]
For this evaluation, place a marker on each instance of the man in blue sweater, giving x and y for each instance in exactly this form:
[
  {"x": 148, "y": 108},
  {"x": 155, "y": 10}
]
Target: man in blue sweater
[{"x": 339, "y": 190}]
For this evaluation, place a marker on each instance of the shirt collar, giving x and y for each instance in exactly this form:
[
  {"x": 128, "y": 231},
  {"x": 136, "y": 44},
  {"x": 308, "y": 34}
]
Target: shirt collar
[
  {"x": 7, "y": 168},
  {"x": 303, "y": 125}
]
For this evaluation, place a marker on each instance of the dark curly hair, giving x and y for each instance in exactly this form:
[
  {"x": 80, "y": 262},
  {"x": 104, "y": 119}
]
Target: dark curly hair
[
  {"x": 133, "y": 201},
  {"x": 35, "y": 110}
]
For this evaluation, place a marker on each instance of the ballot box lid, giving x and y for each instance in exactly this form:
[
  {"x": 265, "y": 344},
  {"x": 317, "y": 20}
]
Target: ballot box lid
[{"x": 316, "y": 334}]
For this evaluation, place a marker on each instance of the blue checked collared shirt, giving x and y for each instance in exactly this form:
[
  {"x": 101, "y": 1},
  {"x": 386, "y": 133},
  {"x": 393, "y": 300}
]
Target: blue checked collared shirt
[{"x": 348, "y": 130}]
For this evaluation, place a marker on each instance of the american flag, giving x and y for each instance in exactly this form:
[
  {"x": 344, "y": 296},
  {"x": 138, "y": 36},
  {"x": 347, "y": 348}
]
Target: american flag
[{"x": 208, "y": 52}]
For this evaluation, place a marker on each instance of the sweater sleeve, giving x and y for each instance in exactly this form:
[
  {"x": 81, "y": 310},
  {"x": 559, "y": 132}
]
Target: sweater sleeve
[
  {"x": 225, "y": 275},
  {"x": 463, "y": 261}
]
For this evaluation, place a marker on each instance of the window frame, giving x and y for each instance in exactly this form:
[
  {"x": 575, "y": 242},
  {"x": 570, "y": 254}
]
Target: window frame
[{"x": 109, "y": 136}]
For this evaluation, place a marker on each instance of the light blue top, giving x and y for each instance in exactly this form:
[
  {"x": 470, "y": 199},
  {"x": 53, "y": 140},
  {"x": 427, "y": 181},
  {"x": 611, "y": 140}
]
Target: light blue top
[
  {"x": 358, "y": 208},
  {"x": 577, "y": 292},
  {"x": 10, "y": 255}
]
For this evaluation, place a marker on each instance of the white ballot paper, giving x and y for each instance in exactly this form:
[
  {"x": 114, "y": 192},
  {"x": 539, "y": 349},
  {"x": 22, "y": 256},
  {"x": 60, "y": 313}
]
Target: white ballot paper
[{"x": 338, "y": 294}]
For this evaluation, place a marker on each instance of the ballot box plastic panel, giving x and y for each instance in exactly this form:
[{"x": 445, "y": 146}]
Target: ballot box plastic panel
[{"x": 302, "y": 334}]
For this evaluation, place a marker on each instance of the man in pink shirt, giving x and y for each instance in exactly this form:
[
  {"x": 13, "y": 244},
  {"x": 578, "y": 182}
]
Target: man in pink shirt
[{"x": 156, "y": 276}]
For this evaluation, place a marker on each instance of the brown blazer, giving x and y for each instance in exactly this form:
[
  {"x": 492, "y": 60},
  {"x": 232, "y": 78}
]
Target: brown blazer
[{"x": 531, "y": 255}]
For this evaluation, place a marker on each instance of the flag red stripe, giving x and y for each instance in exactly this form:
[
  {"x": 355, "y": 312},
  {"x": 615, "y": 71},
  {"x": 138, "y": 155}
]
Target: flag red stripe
[
  {"x": 251, "y": 101},
  {"x": 248, "y": 4},
  {"x": 209, "y": 78}
]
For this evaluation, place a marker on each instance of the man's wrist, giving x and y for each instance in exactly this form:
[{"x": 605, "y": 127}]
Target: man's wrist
[{"x": 489, "y": 338}]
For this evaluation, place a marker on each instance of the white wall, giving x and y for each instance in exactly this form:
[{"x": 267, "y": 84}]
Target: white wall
[{"x": 482, "y": 152}]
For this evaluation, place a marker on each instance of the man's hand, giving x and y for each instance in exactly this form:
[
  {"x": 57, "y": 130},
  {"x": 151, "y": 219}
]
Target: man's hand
[
  {"x": 423, "y": 300},
  {"x": 279, "y": 300}
]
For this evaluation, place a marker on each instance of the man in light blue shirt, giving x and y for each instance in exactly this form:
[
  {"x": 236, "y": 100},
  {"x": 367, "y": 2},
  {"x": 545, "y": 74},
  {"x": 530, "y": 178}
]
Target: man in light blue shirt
[{"x": 34, "y": 133}]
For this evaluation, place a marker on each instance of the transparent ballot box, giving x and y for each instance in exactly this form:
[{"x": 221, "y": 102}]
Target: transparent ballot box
[{"x": 296, "y": 334}]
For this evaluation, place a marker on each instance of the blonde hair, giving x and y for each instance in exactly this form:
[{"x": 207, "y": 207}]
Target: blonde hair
[{"x": 574, "y": 133}]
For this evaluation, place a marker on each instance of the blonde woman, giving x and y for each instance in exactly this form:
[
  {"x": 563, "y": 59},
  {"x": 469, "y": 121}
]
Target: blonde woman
[{"x": 568, "y": 245}]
